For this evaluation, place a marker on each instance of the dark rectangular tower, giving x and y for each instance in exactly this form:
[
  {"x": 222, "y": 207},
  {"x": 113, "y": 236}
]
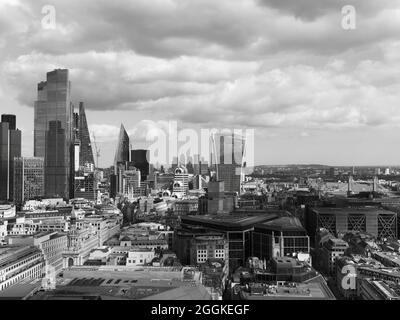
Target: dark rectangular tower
[
  {"x": 11, "y": 119},
  {"x": 10, "y": 148},
  {"x": 140, "y": 160}
]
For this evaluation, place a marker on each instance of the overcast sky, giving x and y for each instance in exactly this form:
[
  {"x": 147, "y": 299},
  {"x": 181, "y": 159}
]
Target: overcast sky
[{"x": 313, "y": 91}]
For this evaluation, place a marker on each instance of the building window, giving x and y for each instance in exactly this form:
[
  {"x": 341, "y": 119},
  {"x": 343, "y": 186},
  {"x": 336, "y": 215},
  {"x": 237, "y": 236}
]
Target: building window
[
  {"x": 220, "y": 254},
  {"x": 201, "y": 256}
]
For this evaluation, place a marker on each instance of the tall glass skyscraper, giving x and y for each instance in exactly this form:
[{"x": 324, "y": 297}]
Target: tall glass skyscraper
[
  {"x": 10, "y": 147},
  {"x": 84, "y": 180},
  {"x": 86, "y": 152},
  {"x": 122, "y": 153},
  {"x": 121, "y": 159},
  {"x": 228, "y": 157},
  {"x": 53, "y": 132}
]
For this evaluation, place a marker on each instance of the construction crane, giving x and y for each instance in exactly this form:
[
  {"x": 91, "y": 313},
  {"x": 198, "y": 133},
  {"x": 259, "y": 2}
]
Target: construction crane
[{"x": 97, "y": 150}]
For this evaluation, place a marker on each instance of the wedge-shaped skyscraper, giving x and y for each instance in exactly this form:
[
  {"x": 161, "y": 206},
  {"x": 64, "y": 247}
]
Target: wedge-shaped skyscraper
[{"x": 86, "y": 152}]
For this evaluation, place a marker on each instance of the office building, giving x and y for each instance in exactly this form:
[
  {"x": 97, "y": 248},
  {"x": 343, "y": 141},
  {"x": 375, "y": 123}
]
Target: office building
[
  {"x": 181, "y": 182},
  {"x": 122, "y": 152},
  {"x": 236, "y": 228},
  {"x": 141, "y": 160},
  {"x": 284, "y": 236},
  {"x": 228, "y": 156},
  {"x": 195, "y": 248},
  {"x": 11, "y": 119},
  {"x": 121, "y": 160},
  {"x": 10, "y": 147},
  {"x": 84, "y": 185},
  {"x": 131, "y": 182},
  {"x": 219, "y": 201},
  {"x": 327, "y": 251},
  {"x": 378, "y": 222},
  {"x": 184, "y": 207},
  {"x": 53, "y": 132},
  {"x": 28, "y": 178},
  {"x": 86, "y": 151}
]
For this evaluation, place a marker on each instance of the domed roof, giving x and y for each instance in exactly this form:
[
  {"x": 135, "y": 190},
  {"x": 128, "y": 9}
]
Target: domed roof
[{"x": 180, "y": 170}]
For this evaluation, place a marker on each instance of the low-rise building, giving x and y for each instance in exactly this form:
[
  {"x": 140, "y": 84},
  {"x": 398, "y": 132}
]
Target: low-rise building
[
  {"x": 139, "y": 257},
  {"x": 128, "y": 283},
  {"x": 52, "y": 244},
  {"x": 369, "y": 289},
  {"x": 18, "y": 263}
]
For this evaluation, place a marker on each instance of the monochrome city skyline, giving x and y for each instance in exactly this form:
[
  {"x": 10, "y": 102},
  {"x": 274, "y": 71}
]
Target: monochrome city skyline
[{"x": 238, "y": 151}]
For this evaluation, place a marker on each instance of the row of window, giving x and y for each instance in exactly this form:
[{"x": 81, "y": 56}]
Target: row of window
[
  {"x": 20, "y": 263},
  {"x": 32, "y": 273},
  {"x": 202, "y": 255}
]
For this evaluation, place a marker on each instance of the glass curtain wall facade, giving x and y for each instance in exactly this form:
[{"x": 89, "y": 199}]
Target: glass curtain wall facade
[{"x": 53, "y": 132}]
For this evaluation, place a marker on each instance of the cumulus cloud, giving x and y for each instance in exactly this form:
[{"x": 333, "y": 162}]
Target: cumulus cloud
[{"x": 265, "y": 64}]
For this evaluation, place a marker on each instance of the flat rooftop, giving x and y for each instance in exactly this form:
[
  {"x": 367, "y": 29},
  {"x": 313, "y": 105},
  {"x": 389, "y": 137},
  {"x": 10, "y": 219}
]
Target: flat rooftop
[
  {"x": 281, "y": 224},
  {"x": 10, "y": 254},
  {"x": 301, "y": 291},
  {"x": 21, "y": 289},
  {"x": 352, "y": 210},
  {"x": 230, "y": 222},
  {"x": 124, "y": 285}
]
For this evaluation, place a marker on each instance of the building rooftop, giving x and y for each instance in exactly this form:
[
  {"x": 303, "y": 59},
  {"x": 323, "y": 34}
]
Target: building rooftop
[
  {"x": 352, "y": 210},
  {"x": 229, "y": 221},
  {"x": 10, "y": 254},
  {"x": 282, "y": 224},
  {"x": 127, "y": 284},
  {"x": 291, "y": 291},
  {"x": 21, "y": 289}
]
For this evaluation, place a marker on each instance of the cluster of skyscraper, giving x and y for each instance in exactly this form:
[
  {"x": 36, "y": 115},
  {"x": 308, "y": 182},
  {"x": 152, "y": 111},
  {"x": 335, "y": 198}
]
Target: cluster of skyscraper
[
  {"x": 63, "y": 164},
  {"x": 131, "y": 168}
]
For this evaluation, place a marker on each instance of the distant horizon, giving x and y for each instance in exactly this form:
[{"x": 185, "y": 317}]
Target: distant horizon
[{"x": 166, "y": 165}]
